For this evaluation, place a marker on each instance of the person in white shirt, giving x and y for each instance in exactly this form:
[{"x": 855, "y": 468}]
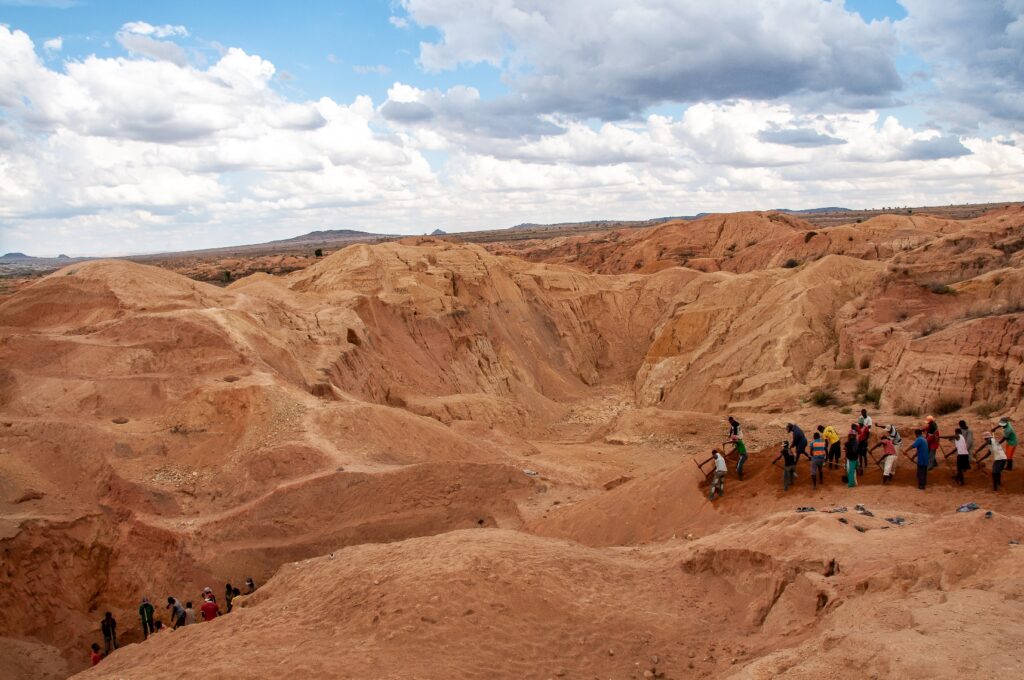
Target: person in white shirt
[
  {"x": 718, "y": 476},
  {"x": 865, "y": 418},
  {"x": 998, "y": 460},
  {"x": 963, "y": 456}
]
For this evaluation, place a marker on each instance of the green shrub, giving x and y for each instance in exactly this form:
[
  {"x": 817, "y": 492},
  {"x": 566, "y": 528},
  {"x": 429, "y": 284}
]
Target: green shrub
[
  {"x": 940, "y": 288},
  {"x": 825, "y": 397},
  {"x": 225, "y": 276},
  {"x": 319, "y": 252},
  {"x": 791, "y": 264}
]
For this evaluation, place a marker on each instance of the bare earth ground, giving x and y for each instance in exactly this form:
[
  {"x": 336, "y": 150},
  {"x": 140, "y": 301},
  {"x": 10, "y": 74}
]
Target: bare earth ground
[{"x": 440, "y": 460}]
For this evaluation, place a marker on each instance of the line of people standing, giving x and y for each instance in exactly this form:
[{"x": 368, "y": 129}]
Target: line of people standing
[
  {"x": 826, "y": 448},
  {"x": 179, "y": 615}
]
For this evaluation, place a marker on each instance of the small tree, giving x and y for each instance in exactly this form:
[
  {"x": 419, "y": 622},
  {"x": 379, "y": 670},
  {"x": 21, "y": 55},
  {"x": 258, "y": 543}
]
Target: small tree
[
  {"x": 319, "y": 252},
  {"x": 225, "y": 276}
]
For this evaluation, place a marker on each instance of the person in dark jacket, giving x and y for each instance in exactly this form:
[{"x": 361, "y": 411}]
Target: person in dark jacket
[
  {"x": 109, "y": 628},
  {"x": 146, "y": 616},
  {"x": 852, "y": 455},
  {"x": 788, "y": 465},
  {"x": 799, "y": 439}
]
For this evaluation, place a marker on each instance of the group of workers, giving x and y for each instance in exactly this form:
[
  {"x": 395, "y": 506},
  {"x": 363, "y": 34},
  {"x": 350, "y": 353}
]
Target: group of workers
[
  {"x": 826, "y": 448},
  {"x": 180, "y": 615}
]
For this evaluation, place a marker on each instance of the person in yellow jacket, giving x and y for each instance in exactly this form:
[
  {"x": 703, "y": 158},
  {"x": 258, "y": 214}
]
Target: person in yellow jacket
[{"x": 835, "y": 449}]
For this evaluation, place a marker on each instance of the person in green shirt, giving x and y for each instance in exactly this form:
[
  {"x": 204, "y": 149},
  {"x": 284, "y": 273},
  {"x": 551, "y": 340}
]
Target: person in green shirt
[{"x": 1010, "y": 439}]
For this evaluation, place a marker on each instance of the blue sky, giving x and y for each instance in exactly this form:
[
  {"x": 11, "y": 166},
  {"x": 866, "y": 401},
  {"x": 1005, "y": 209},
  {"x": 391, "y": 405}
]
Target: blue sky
[{"x": 128, "y": 127}]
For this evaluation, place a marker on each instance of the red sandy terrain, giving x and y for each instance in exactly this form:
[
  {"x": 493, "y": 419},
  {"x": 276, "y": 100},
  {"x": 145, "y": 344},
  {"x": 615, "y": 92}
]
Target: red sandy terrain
[{"x": 498, "y": 450}]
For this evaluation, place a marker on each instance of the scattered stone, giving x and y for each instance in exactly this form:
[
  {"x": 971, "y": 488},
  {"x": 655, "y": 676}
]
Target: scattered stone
[
  {"x": 898, "y": 521},
  {"x": 648, "y": 674},
  {"x": 805, "y": 508},
  {"x": 530, "y": 473},
  {"x": 618, "y": 481},
  {"x": 864, "y": 511},
  {"x": 655, "y": 659},
  {"x": 119, "y": 421}
]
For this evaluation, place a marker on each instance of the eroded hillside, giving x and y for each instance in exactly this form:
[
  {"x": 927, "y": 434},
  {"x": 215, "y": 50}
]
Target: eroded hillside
[{"x": 161, "y": 434}]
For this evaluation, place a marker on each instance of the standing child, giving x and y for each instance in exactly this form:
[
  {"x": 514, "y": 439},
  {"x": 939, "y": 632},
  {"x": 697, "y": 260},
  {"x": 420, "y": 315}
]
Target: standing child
[
  {"x": 95, "y": 657},
  {"x": 788, "y": 465},
  {"x": 818, "y": 450}
]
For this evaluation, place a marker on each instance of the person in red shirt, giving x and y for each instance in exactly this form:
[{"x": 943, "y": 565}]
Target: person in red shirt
[
  {"x": 96, "y": 657},
  {"x": 863, "y": 435},
  {"x": 209, "y": 610}
]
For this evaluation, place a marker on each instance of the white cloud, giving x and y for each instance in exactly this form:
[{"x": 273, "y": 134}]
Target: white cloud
[
  {"x": 377, "y": 69},
  {"x": 398, "y": 22},
  {"x": 611, "y": 60},
  {"x": 141, "y": 38},
  {"x": 107, "y": 155},
  {"x": 54, "y": 44},
  {"x": 165, "y": 31},
  {"x": 975, "y": 49}
]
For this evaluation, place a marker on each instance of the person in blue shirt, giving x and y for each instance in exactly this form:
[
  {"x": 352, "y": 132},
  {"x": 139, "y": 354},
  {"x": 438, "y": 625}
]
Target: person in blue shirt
[{"x": 921, "y": 450}]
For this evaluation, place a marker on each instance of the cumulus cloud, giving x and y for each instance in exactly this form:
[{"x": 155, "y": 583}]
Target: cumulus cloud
[
  {"x": 106, "y": 155},
  {"x": 976, "y": 51},
  {"x": 611, "y": 60},
  {"x": 144, "y": 39},
  {"x": 164, "y": 31},
  {"x": 54, "y": 44},
  {"x": 800, "y": 137}
]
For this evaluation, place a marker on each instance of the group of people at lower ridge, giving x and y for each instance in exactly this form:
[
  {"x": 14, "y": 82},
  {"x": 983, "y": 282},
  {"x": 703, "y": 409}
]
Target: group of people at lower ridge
[
  {"x": 179, "y": 615},
  {"x": 827, "y": 448}
]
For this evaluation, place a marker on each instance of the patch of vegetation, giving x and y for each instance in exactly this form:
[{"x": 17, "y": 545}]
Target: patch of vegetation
[
  {"x": 866, "y": 394},
  {"x": 907, "y": 410},
  {"x": 946, "y": 406},
  {"x": 824, "y": 397},
  {"x": 939, "y": 288},
  {"x": 986, "y": 409},
  {"x": 791, "y": 263},
  {"x": 319, "y": 252},
  {"x": 225, "y": 276},
  {"x": 929, "y": 329}
]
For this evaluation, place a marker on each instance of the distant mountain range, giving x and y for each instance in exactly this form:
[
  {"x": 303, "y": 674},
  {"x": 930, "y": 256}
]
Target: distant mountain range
[{"x": 328, "y": 235}]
